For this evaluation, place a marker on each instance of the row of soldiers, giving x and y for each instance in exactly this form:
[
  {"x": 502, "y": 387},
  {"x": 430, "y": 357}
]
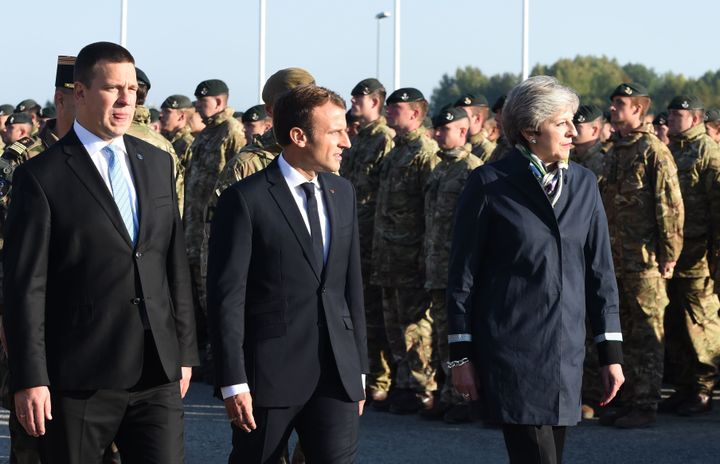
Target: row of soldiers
[{"x": 408, "y": 175}]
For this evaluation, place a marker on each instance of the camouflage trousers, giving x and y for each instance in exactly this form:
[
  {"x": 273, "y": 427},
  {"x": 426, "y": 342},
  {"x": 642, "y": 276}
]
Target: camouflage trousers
[
  {"x": 409, "y": 333},
  {"x": 592, "y": 388},
  {"x": 642, "y": 308},
  {"x": 379, "y": 359},
  {"x": 692, "y": 334},
  {"x": 448, "y": 394},
  {"x": 199, "y": 299}
]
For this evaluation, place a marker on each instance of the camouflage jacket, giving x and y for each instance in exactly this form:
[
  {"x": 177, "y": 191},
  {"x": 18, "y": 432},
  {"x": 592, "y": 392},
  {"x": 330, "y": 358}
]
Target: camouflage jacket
[
  {"x": 220, "y": 141},
  {"x": 697, "y": 158},
  {"x": 641, "y": 194},
  {"x": 182, "y": 141},
  {"x": 361, "y": 166},
  {"x": 47, "y": 134},
  {"x": 442, "y": 191},
  {"x": 398, "y": 258},
  {"x": 481, "y": 146},
  {"x": 502, "y": 148},
  {"x": 592, "y": 159}
]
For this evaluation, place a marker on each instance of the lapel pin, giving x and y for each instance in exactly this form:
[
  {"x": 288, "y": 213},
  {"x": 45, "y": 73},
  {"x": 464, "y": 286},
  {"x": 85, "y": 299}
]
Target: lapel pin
[
  {"x": 332, "y": 190},
  {"x": 140, "y": 156}
]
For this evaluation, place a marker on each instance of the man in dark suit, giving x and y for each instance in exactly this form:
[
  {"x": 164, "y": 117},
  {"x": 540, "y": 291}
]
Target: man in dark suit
[
  {"x": 98, "y": 312},
  {"x": 285, "y": 292}
]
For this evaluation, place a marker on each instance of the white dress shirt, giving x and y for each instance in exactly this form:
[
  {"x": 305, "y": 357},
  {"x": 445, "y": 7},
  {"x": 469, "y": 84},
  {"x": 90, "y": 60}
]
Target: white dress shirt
[
  {"x": 94, "y": 145},
  {"x": 294, "y": 181}
]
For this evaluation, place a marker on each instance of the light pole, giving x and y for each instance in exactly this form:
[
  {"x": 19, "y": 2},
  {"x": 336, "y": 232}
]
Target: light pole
[
  {"x": 261, "y": 67},
  {"x": 123, "y": 22},
  {"x": 397, "y": 45},
  {"x": 379, "y": 16},
  {"x": 525, "y": 43}
]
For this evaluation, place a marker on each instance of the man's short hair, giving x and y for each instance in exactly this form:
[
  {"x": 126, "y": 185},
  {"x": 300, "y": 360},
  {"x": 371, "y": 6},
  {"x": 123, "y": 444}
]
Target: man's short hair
[
  {"x": 294, "y": 107},
  {"x": 92, "y": 54}
]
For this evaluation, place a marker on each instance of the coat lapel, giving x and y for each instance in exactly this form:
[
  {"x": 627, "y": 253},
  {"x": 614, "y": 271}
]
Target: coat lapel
[
  {"x": 142, "y": 189},
  {"x": 80, "y": 163},
  {"x": 285, "y": 201}
]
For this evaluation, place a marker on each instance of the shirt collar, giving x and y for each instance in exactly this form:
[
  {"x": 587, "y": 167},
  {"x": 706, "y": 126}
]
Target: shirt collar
[
  {"x": 92, "y": 143},
  {"x": 293, "y": 178}
]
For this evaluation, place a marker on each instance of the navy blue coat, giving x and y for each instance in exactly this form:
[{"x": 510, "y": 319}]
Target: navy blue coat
[{"x": 522, "y": 276}]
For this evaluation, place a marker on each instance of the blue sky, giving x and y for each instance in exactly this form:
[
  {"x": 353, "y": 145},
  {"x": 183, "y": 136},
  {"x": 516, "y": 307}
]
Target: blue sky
[{"x": 182, "y": 42}]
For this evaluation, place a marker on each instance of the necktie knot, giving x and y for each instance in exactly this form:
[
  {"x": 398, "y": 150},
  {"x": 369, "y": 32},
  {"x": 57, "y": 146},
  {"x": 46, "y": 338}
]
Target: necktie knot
[{"x": 309, "y": 189}]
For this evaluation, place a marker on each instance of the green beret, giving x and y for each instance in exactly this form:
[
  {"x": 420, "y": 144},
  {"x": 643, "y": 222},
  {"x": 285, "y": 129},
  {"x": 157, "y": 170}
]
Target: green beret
[
  {"x": 18, "y": 118},
  {"x": 238, "y": 114},
  {"x": 154, "y": 115},
  {"x": 6, "y": 109},
  {"x": 447, "y": 115},
  {"x": 686, "y": 102},
  {"x": 499, "y": 103},
  {"x": 405, "y": 95},
  {"x": 64, "y": 72},
  {"x": 48, "y": 112},
  {"x": 712, "y": 115},
  {"x": 176, "y": 102},
  {"x": 27, "y": 105},
  {"x": 471, "y": 100},
  {"x": 284, "y": 80},
  {"x": 366, "y": 87},
  {"x": 142, "y": 77},
  {"x": 254, "y": 114},
  {"x": 661, "y": 119},
  {"x": 632, "y": 89},
  {"x": 587, "y": 113},
  {"x": 211, "y": 88}
]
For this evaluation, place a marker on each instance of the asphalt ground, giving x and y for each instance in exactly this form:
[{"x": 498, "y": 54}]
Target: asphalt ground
[{"x": 389, "y": 438}]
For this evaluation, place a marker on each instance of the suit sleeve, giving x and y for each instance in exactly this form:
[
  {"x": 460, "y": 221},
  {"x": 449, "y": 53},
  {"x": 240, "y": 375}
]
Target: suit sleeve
[
  {"x": 354, "y": 293},
  {"x": 469, "y": 236},
  {"x": 230, "y": 249},
  {"x": 601, "y": 293},
  {"x": 25, "y": 261},
  {"x": 179, "y": 282}
]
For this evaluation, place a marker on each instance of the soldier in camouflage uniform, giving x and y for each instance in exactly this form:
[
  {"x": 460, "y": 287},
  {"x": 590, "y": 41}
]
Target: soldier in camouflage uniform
[
  {"x": 660, "y": 125},
  {"x": 502, "y": 147},
  {"x": 32, "y": 109},
  {"x": 398, "y": 258},
  {"x": 692, "y": 324},
  {"x": 54, "y": 129},
  {"x": 588, "y": 151},
  {"x": 712, "y": 124},
  {"x": 442, "y": 191},
  {"x": 256, "y": 121},
  {"x": 477, "y": 112},
  {"x": 641, "y": 195},
  {"x": 5, "y": 112},
  {"x": 175, "y": 112},
  {"x": 361, "y": 166}
]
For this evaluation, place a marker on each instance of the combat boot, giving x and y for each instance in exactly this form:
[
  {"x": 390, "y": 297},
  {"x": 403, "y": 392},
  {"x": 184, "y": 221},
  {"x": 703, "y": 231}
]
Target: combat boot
[
  {"x": 637, "y": 418},
  {"x": 700, "y": 403},
  {"x": 610, "y": 417}
]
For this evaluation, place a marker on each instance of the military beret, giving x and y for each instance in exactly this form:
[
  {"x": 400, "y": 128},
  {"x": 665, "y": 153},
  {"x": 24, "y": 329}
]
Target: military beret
[
  {"x": 587, "y": 113},
  {"x": 661, "y": 119},
  {"x": 447, "y": 115},
  {"x": 632, "y": 89},
  {"x": 471, "y": 100},
  {"x": 238, "y": 114},
  {"x": 712, "y": 115},
  {"x": 176, "y": 102},
  {"x": 211, "y": 88},
  {"x": 142, "y": 77},
  {"x": 284, "y": 80},
  {"x": 48, "y": 112},
  {"x": 254, "y": 113},
  {"x": 366, "y": 87},
  {"x": 6, "y": 109},
  {"x": 499, "y": 103},
  {"x": 27, "y": 105},
  {"x": 686, "y": 102},
  {"x": 64, "y": 72},
  {"x": 405, "y": 95},
  {"x": 18, "y": 118},
  {"x": 154, "y": 115}
]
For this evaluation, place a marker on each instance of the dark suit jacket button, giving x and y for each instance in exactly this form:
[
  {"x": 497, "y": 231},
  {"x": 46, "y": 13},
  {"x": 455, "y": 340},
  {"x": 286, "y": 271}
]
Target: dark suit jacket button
[
  {"x": 138, "y": 254},
  {"x": 322, "y": 290},
  {"x": 135, "y": 301}
]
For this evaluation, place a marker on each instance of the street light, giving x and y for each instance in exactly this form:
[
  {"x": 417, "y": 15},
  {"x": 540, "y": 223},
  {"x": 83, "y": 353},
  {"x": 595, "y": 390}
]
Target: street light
[
  {"x": 379, "y": 16},
  {"x": 123, "y": 22}
]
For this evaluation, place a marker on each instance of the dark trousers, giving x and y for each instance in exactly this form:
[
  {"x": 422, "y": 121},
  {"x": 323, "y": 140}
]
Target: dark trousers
[
  {"x": 327, "y": 426},
  {"x": 534, "y": 444},
  {"x": 146, "y": 421}
]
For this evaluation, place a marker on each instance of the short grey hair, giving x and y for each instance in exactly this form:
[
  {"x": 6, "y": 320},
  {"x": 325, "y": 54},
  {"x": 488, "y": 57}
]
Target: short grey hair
[{"x": 532, "y": 102}]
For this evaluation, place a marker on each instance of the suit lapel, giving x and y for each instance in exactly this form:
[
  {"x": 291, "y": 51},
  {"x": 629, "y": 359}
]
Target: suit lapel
[
  {"x": 285, "y": 201},
  {"x": 140, "y": 177},
  {"x": 80, "y": 163},
  {"x": 329, "y": 197}
]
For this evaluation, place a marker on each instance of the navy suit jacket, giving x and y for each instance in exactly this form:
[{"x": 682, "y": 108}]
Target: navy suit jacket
[
  {"x": 522, "y": 276},
  {"x": 269, "y": 306}
]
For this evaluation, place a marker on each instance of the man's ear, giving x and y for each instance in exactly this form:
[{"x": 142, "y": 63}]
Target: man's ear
[{"x": 298, "y": 137}]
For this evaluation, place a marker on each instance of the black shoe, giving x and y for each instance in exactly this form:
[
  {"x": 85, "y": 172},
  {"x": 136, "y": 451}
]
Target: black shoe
[
  {"x": 380, "y": 400},
  {"x": 696, "y": 405},
  {"x": 670, "y": 404},
  {"x": 463, "y": 413},
  {"x": 436, "y": 412},
  {"x": 610, "y": 417},
  {"x": 405, "y": 401},
  {"x": 637, "y": 418}
]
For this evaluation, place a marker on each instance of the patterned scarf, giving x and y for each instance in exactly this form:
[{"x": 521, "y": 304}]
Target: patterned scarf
[{"x": 550, "y": 177}]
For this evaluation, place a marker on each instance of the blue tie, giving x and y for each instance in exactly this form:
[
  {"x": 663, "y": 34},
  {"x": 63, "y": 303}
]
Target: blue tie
[{"x": 121, "y": 191}]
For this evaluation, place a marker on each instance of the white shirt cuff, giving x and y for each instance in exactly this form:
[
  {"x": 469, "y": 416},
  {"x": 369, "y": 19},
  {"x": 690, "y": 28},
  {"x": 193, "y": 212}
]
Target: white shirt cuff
[
  {"x": 609, "y": 336},
  {"x": 233, "y": 390}
]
